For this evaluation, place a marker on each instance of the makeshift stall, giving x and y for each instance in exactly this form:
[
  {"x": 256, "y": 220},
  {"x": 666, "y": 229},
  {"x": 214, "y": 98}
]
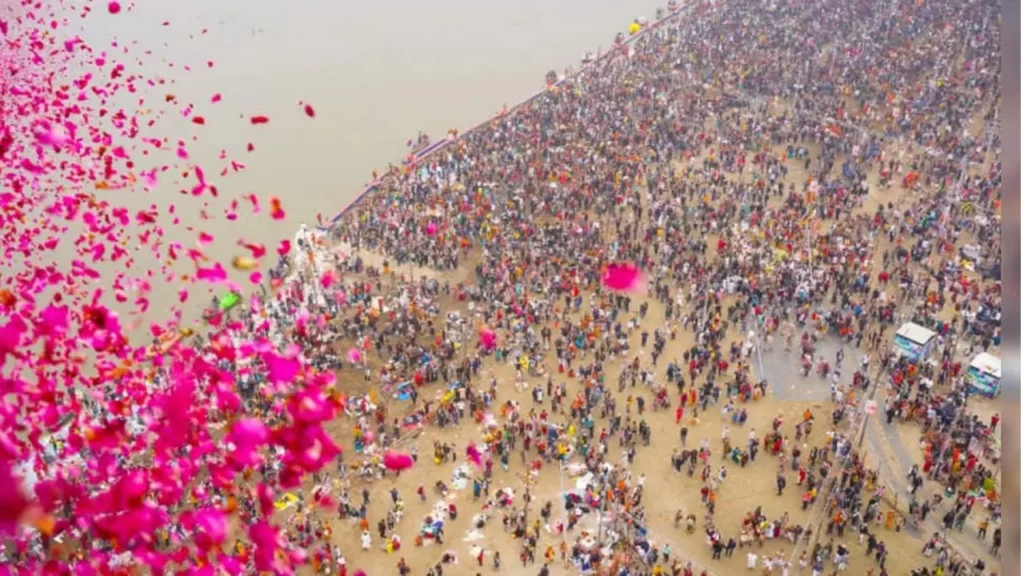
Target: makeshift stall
[
  {"x": 985, "y": 374},
  {"x": 914, "y": 342}
]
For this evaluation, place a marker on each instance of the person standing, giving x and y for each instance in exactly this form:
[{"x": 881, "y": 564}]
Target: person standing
[{"x": 818, "y": 566}]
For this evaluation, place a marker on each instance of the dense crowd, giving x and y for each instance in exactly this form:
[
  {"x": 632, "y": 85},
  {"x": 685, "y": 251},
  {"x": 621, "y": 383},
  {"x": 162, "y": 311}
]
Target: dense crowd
[
  {"x": 677, "y": 152},
  {"x": 685, "y": 135}
]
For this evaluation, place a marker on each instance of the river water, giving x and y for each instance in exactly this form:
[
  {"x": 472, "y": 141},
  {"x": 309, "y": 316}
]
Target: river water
[{"x": 376, "y": 73}]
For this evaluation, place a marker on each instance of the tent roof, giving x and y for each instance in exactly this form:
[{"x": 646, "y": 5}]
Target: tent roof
[
  {"x": 915, "y": 333},
  {"x": 988, "y": 363}
]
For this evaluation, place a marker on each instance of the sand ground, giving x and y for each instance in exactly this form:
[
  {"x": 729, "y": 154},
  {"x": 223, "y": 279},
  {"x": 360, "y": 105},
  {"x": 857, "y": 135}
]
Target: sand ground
[{"x": 666, "y": 491}]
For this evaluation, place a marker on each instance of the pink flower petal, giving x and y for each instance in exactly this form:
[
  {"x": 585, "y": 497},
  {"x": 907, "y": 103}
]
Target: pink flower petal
[
  {"x": 488, "y": 339},
  {"x": 474, "y": 455},
  {"x": 397, "y": 461},
  {"x": 265, "y": 540},
  {"x": 13, "y": 504},
  {"x": 622, "y": 278},
  {"x": 327, "y": 279},
  {"x": 276, "y": 212},
  {"x": 215, "y": 274},
  {"x": 280, "y": 369}
]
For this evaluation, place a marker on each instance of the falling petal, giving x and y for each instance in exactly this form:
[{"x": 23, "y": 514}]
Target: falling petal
[
  {"x": 247, "y": 435},
  {"x": 14, "y": 504},
  {"x": 276, "y": 212},
  {"x": 215, "y": 274},
  {"x": 488, "y": 339},
  {"x": 244, "y": 263},
  {"x": 281, "y": 369},
  {"x": 149, "y": 178},
  {"x": 257, "y": 250},
  {"x": 397, "y": 461},
  {"x": 327, "y": 279},
  {"x": 474, "y": 455},
  {"x": 622, "y": 278}
]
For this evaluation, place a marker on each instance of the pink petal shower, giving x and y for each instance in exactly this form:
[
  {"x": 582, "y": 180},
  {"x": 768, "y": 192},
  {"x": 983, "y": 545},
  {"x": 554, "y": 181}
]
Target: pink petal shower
[{"x": 70, "y": 150}]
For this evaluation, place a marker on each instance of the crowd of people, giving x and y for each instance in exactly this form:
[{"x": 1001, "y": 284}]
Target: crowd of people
[
  {"x": 782, "y": 173},
  {"x": 756, "y": 194}
]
